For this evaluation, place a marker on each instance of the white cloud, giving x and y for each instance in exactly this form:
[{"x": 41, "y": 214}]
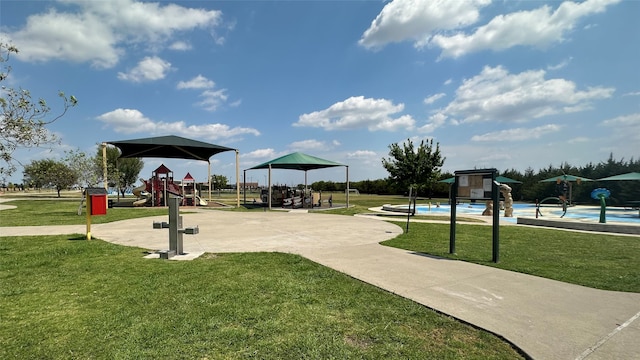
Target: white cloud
[
  {"x": 213, "y": 99},
  {"x": 362, "y": 154},
  {"x": 310, "y": 144},
  {"x": 497, "y": 95},
  {"x": 180, "y": 46},
  {"x": 260, "y": 154},
  {"x": 561, "y": 65},
  {"x": 519, "y": 134},
  {"x": 433, "y": 98},
  {"x": 435, "y": 121},
  {"x": 358, "y": 112},
  {"x": 448, "y": 81},
  {"x": 633, "y": 93},
  {"x": 626, "y": 128},
  {"x": 148, "y": 69},
  {"x": 198, "y": 82},
  {"x": 537, "y": 28},
  {"x": 98, "y": 31},
  {"x": 434, "y": 23},
  {"x": 418, "y": 20},
  {"x": 129, "y": 121}
]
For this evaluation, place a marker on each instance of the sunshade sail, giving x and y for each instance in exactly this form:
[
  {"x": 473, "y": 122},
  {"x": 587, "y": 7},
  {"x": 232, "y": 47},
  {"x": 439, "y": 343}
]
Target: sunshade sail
[
  {"x": 569, "y": 178},
  {"x": 297, "y": 161},
  {"x": 170, "y": 146},
  {"x": 627, "y": 176}
]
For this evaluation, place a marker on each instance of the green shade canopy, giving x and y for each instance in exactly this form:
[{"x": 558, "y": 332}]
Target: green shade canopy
[
  {"x": 297, "y": 161},
  {"x": 570, "y": 178},
  {"x": 500, "y": 179},
  {"x": 627, "y": 176},
  {"x": 171, "y": 146}
]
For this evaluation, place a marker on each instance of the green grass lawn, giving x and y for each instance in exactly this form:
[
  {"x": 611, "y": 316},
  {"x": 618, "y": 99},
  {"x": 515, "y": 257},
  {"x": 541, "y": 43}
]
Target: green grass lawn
[
  {"x": 63, "y": 298},
  {"x": 595, "y": 260},
  {"x": 65, "y": 212}
]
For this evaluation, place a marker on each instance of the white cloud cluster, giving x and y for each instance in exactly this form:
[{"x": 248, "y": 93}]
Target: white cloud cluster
[
  {"x": 310, "y": 144},
  {"x": 497, "y": 95},
  {"x": 518, "y": 134},
  {"x": 148, "y": 69},
  {"x": 130, "y": 121},
  {"x": 430, "y": 23},
  {"x": 433, "y": 98},
  {"x": 362, "y": 154},
  {"x": 98, "y": 31},
  {"x": 626, "y": 129},
  {"x": 211, "y": 99},
  {"x": 417, "y": 20},
  {"x": 260, "y": 154},
  {"x": 358, "y": 112},
  {"x": 198, "y": 82}
]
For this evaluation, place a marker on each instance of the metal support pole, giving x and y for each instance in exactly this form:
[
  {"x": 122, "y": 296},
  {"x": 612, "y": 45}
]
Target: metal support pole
[
  {"x": 269, "y": 201},
  {"x": 238, "y": 179},
  {"x": 347, "y": 198},
  {"x": 496, "y": 219},
  {"x": 452, "y": 226},
  {"x": 104, "y": 166}
]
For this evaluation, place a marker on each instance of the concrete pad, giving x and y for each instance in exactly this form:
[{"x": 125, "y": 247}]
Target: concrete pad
[{"x": 545, "y": 318}]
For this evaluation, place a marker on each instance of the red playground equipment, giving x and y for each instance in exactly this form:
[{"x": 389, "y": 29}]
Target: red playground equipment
[{"x": 161, "y": 185}]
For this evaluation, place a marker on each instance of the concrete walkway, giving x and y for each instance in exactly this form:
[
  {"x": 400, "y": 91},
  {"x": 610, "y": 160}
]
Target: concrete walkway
[{"x": 547, "y": 319}]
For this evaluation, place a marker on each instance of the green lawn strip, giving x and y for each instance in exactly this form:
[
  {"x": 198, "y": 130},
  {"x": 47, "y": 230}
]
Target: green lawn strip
[
  {"x": 65, "y": 212},
  {"x": 599, "y": 261},
  {"x": 63, "y": 298}
]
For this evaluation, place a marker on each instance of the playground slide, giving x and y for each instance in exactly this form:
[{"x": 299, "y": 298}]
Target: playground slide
[
  {"x": 138, "y": 190},
  {"x": 201, "y": 201}
]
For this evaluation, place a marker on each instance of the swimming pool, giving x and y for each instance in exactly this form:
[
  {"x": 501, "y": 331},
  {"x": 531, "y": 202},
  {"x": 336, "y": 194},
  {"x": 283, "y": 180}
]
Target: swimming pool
[{"x": 580, "y": 213}]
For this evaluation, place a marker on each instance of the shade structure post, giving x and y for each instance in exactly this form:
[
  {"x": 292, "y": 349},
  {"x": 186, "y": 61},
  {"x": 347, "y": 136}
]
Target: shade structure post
[
  {"x": 269, "y": 185},
  {"x": 209, "y": 178},
  {"x": 347, "y": 171},
  {"x": 305, "y": 190},
  {"x": 244, "y": 187},
  {"x": 238, "y": 179},
  {"x": 104, "y": 166}
]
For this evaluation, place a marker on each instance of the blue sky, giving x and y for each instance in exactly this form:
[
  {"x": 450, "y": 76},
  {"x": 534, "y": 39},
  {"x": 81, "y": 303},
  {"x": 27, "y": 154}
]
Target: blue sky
[{"x": 504, "y": 84}]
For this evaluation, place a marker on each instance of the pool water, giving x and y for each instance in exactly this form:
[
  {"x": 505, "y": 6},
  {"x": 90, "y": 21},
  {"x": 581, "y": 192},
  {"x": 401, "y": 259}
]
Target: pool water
[{"x": 582, "y": 213}]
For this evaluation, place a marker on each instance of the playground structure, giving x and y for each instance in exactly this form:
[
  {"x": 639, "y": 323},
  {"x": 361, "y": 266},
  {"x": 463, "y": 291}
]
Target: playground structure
[
  {"x": 290, "y": 198},
  {"x": 161, "y": 186}
]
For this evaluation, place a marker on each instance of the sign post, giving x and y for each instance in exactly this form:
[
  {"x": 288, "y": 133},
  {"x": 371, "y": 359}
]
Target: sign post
[
  {"x": 476, "y": 185},
  {"x": 96, "y": 199}
]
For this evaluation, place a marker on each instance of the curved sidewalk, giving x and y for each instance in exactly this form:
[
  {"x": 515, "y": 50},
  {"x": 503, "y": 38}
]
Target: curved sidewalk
[{"x": 545, "y": 318}]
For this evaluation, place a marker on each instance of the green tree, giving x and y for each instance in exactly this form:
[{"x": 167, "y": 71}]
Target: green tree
[
  {"x": 409, "y": 167},
  {"x": 219, "y": 181},
  {"x": 50, "y": 173},
  {"x": 23, "y": 120},
  {"x": 121, "y": 172},
  {"x": 83, "y": 166}
]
